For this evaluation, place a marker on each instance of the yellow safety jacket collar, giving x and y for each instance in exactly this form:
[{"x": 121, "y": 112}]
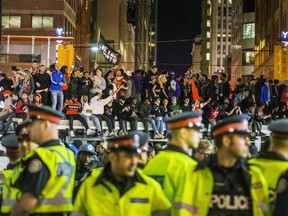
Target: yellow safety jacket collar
[
  {"x": 272, "y": 156},
  {"x": 106, "y": 175}
]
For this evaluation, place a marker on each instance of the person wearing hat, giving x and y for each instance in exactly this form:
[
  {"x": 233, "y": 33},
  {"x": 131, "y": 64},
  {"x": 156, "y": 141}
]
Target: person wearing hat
[
  {"x": 275, "y": 161},
  {"x": 119, "y": 188},
  {"x": 87, "y": 160},
  {"x": 21, "y": 142},
  {"x": 12, "y": 150},
  {"x": 168, "y": 167},
  {"x": 143, "y": 142},
  {"x": 46, "y": 177},
  {"x": 224, "y": 184}
]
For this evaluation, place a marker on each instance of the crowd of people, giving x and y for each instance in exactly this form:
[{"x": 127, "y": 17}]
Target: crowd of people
[{"x": 149, "y": 97}]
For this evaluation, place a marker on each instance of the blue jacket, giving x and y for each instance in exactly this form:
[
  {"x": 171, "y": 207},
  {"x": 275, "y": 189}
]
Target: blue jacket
[
  {"x": 56, "y": 78},
  {"x": 264, "y": 95}
]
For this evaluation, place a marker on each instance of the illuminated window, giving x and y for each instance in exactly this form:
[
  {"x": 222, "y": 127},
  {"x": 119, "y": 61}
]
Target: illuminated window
[
  {"x": 208, "y": 23},
  {"x": 207, "y": 56},
  {"x": 208, "y": 34},
  {"x": 208, "y": 45},
  {"x": 42, "y": 21},
  {"x": 248, "y": 30},
  {"x": 11, "y": 21},
  {"x": 248, "y": 58}
]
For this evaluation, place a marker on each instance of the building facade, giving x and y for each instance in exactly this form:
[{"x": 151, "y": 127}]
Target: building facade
[
  {"x": 29, "y": 30},
  {"x": 243, "y": 39},
  {"x": 142, "y": 14},
  {"x": 220, "y": 33},
  {"x": 216, "y": 34},
  {"x": 205, "y": 36},
  {"x": 270, "y": 21}
]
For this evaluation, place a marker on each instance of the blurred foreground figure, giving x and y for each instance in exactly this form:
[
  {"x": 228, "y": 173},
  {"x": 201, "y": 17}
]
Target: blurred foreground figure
[
  {"x": 169, "y": 166},
  {"x": 46, "y": 177}
]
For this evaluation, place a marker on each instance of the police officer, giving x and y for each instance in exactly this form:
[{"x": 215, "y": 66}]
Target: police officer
[
  {"x": 87, "y": 160},
  {"x": 144, "y": 140},
  {"x": 168, "y": 167},
  {"x": 46, "y": 177},
  {"x": 12, "y": 151},
  {"x": 274, "y": 165},
  {"x": 223, "y": 184},
  {"x": 24, "y": 145},
  {"x": 119, "y": 189},
  {"x": 275, "y": 161}
]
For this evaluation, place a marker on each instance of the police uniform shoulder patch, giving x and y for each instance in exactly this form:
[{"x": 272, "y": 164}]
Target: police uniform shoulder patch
[
  {"x": 35, "y": 166},
  {"x": 282, "y": 185}
]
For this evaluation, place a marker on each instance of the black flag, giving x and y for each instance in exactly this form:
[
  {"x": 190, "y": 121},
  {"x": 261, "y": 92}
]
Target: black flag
[{"x": 109, "y": 53}]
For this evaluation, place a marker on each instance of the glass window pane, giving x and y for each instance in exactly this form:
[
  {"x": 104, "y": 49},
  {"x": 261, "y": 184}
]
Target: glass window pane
[
  {"x": 36, "y": 21},
  {"x": 47, "y": 21},
  {"x": 248, "y": 30},
  {"x": 5, "y": 21},
  {"x": 15, "y": 22}
]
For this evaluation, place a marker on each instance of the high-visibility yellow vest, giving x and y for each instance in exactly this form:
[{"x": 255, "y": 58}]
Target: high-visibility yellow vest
[
  {"x": 272, "y": 170},
  {"x": 169, "y": 169},
  {"x": 9, "y": 194},
  {"x": 195, "y": 198},
  {"x": 57, "y": 193},
  {"x": 103, "y": 198}
]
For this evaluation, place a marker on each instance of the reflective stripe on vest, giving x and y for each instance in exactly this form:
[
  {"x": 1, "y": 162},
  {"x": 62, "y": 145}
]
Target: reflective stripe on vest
[
  {"x": 190, "y": 208},
  {"x": 9, "y": 193}
]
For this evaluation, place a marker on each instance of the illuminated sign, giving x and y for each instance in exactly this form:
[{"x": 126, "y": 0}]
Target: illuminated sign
[{"x": 284, "y": 35}]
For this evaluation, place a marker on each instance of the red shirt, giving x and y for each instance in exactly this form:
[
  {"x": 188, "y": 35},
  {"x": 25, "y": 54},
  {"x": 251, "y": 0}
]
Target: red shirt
[{"x": 72, "y": 108}]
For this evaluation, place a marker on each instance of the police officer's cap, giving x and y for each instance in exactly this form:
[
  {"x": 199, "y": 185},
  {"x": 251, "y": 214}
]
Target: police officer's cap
[
  {"x": 87, "y": 148},
  {"x": 144, "y": 139},
  {"x": 186, "y": 119},
  {"x": 129, "y": 143},
  {"x": 45, "y": 113},
  {"x": 279, "y": 128},
  {"x": 10, "y": 142},
  {"x": 234, "y": 124}
]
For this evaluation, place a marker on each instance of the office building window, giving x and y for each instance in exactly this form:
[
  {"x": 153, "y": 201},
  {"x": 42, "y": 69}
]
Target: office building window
[
  {"x": 208, "y": 56},
  {"x": 42, "y": 21},
  {"x": 248, "y": 30},
  {"x": 208, "y": 23},
  {"x": 11, "y": 21},
  {"x": 248, "y": 58}
]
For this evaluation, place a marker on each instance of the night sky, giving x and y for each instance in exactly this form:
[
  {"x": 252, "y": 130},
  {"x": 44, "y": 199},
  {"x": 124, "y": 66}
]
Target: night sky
[{"x": 177, "y": 20}]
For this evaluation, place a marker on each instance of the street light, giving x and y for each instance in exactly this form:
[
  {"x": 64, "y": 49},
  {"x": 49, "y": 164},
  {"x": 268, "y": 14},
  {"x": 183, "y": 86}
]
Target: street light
[{"x": 95, "y": 48}]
